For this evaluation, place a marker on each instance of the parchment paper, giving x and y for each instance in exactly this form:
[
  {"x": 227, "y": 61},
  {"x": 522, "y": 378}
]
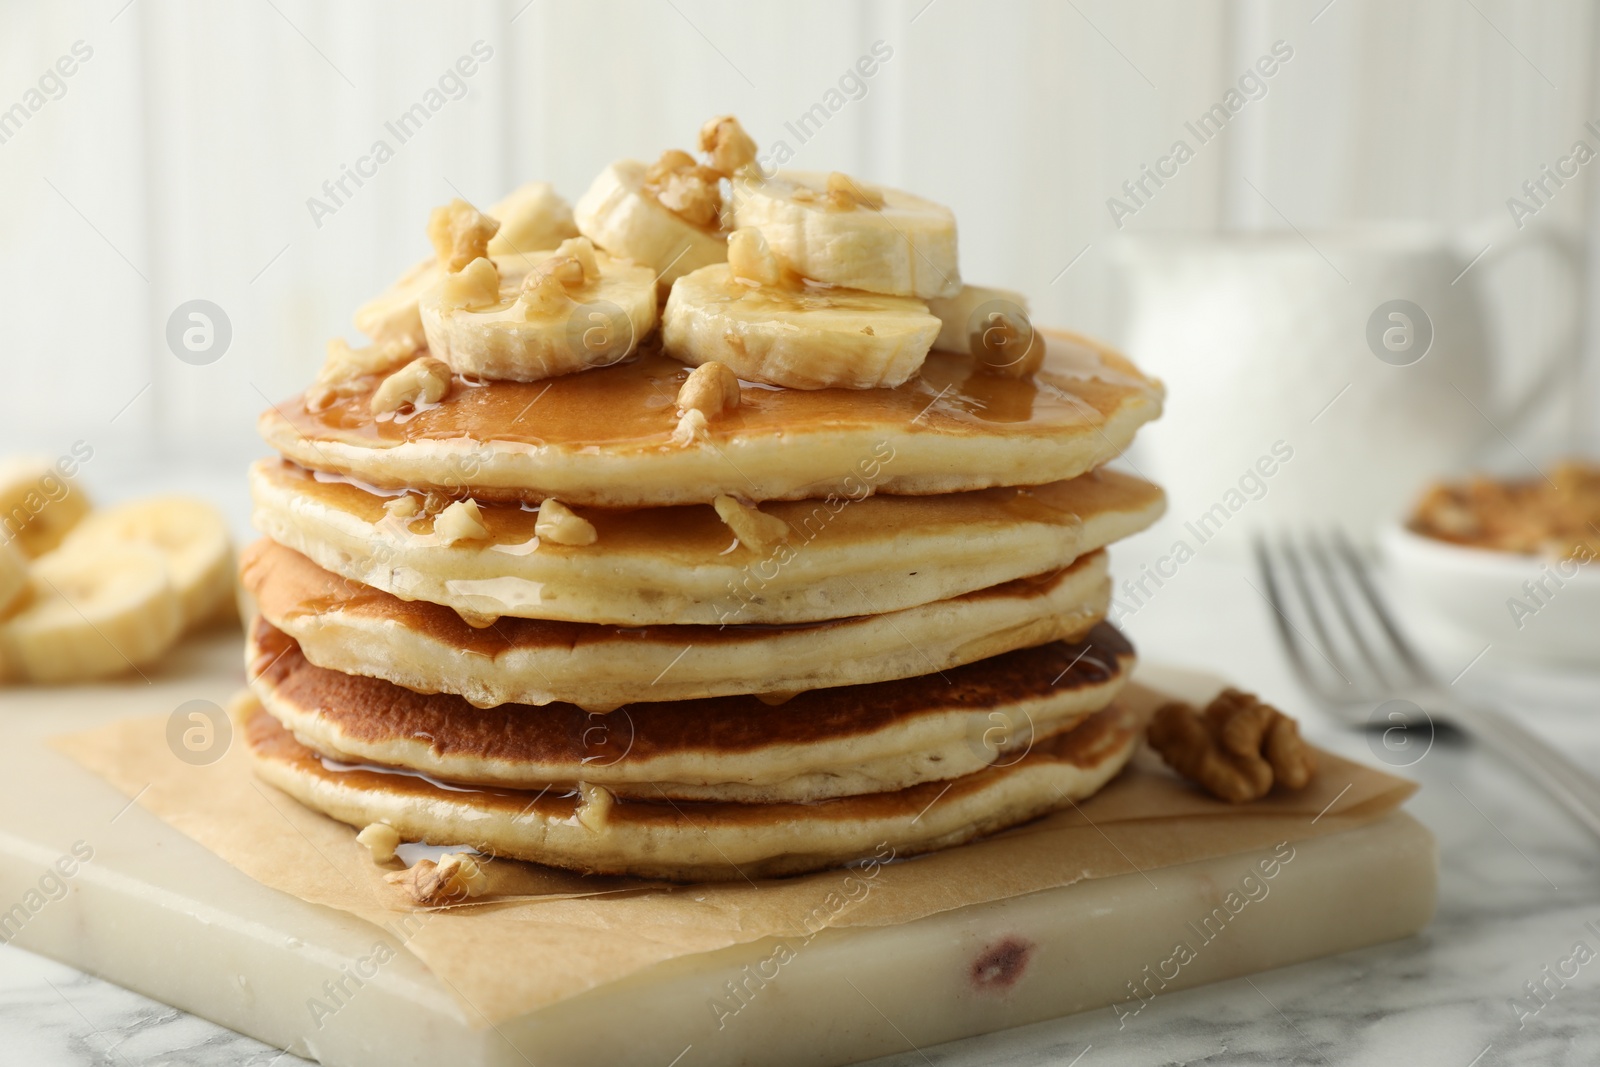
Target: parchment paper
[{"x": 560, "y": 935}]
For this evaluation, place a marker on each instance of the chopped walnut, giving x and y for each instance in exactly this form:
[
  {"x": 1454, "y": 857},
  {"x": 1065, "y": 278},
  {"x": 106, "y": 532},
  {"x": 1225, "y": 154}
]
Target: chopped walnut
[
  {"x": 381, "y": 840},
  {"x": 692, "y": 426},
  {"x": 424, "y": 380},
  {"x": 461, "y": 521},
  {"x": 1556, "y": 515},
  {"x": 560, "y": 525},
  {"x": 1237, "y": 749},
  {"x": 685, "y": 188},
  {"x": 460, "y": 234},
  {"x": 728, "y": 147},
  {"x": 457, "y": 877},
  {"x": 581, "y": 249},
  {"x": 405, "y": 506},
  {"x": 846, "y": 194},
  {"x": 344, "y": 367},
  {"x": 543, "y": 292},
  {"x": 1007, "y": 345},
  {"x": 477, "y": 285},
  {"x": 751, "y": 259},
  {"x": 755, "y": 529},
  {"x": 710, "y": 389},
  {"x": 594, "y": 807}
]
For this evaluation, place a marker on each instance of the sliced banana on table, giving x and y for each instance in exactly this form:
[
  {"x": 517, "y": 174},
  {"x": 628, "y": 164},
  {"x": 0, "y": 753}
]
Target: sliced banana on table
[
  {"x": 626, "y": 213},
  {"x": 38, "y": 506},
  {"x": 532, "y": 217},
  {"x": 767, "y": 325},
  {"x": 832, "y": 228},
  {"x": 96, "y": 610},
  {"x": 191, "y": 536},
  {"x": 992, "y": 324},
  {"x": 13, "y": 579},
  {"x": 524, "y": 318}
]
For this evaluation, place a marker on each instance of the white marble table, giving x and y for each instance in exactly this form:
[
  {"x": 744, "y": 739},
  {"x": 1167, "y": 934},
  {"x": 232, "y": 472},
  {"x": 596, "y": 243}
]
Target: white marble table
[{"x": 1519, "y": 882}]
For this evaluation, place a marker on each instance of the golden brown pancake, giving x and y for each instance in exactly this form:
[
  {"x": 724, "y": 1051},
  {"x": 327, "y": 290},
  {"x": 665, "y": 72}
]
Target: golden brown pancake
[
  {"x": 651, "y": 566},
  {"x": 605, "y": 437},
  {"x": 822, "y": 744},
  {"x": 696, "y": 840},
  {"x": 352, "y": 628}
]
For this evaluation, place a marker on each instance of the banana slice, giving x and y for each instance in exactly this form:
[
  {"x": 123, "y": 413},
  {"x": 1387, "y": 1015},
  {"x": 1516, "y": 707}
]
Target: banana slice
[
  {"x": 576, "y": 308},
  {"x": 800, "y": 336},
  {"x": 13, "y": 579},
  {"x": 831, "y": 228},
  {"x": 532, "y": 217},
  {"x": 992, "y": 324},
  {"x": 190, "y": 534},
  {"x": 38, "y": 507},
  {"x": 621, "y": 214},
  {"x": 97, "y": 609}
]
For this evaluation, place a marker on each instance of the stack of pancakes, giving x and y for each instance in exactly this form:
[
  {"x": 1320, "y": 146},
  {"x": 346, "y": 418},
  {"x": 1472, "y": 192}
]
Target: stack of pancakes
[{"x": 915, "y": 655}]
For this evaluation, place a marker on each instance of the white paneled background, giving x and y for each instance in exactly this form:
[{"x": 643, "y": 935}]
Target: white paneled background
[{"x": 178, "y": 161}]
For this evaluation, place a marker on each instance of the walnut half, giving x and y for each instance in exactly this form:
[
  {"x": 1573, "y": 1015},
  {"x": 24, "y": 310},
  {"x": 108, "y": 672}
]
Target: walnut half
[{"x": 1237, "y": 749}]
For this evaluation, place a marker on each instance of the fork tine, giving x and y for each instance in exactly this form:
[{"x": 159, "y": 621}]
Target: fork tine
[
  {"x": 1316, "y": 611},
  {"x": 1358, "y": 568},
  {"x": 1342, "y": 606},
  {"x": 1287, "y": 634}
]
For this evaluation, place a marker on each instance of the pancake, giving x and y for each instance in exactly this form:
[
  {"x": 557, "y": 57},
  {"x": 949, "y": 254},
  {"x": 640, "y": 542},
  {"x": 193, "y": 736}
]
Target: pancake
[
  {"x": 689, "y": 840},
  {"x": 359, "y": 630},
  {"x": 605, "y": 437},
  {"x": 652, "y": 566},
  {"x": 822, "y": 744}
]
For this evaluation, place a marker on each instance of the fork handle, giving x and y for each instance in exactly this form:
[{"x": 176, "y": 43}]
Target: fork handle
[{"x": 1576, "y": 789}]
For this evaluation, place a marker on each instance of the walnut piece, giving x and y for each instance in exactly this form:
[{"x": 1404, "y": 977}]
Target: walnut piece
[
  {"x": 692, "y": 427},
  {"x": 477, "y": 285},
  {"x": 594, "y": 807},
  {"x": 344, "y": 367},
  {"x": 685, "y": 188},
  {"x": 751, "y": 260},
  {"x": 1237, "y": 749},
  {"x": 1007, "y": 345},
  {"x": 710, "y": 389},
  {"x": 461, "y": 521},
  {"x": 561, "y": 525},
  {"x": 456, "y": 878},
  {"x": 381, "y": 840},
  {"x": 424, "y": 380},
  {"x": 729, "y": 148},
  {"x": 847, "y": 194},
  {"x": 580, "y": 249},
  {"x": 405, "y": 506},
  {"x": 755, "y": 529},
  {"x": 460, "y": 234}
]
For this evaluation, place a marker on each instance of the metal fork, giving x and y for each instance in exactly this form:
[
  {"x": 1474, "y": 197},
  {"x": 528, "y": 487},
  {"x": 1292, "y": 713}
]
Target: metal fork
[{"x": 1370, "y": 661}]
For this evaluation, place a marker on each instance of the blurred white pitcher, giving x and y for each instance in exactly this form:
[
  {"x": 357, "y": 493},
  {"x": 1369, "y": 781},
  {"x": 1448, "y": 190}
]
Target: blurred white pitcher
[{"x": 1344, "y": 369}]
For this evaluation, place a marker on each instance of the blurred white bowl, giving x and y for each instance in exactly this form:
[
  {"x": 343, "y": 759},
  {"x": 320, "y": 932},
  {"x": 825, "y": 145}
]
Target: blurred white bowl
[{"x": 1529, "y": 606}]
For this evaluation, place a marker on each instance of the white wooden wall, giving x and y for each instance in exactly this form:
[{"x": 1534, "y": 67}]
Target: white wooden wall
[{"x": 179, "y": 160}]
